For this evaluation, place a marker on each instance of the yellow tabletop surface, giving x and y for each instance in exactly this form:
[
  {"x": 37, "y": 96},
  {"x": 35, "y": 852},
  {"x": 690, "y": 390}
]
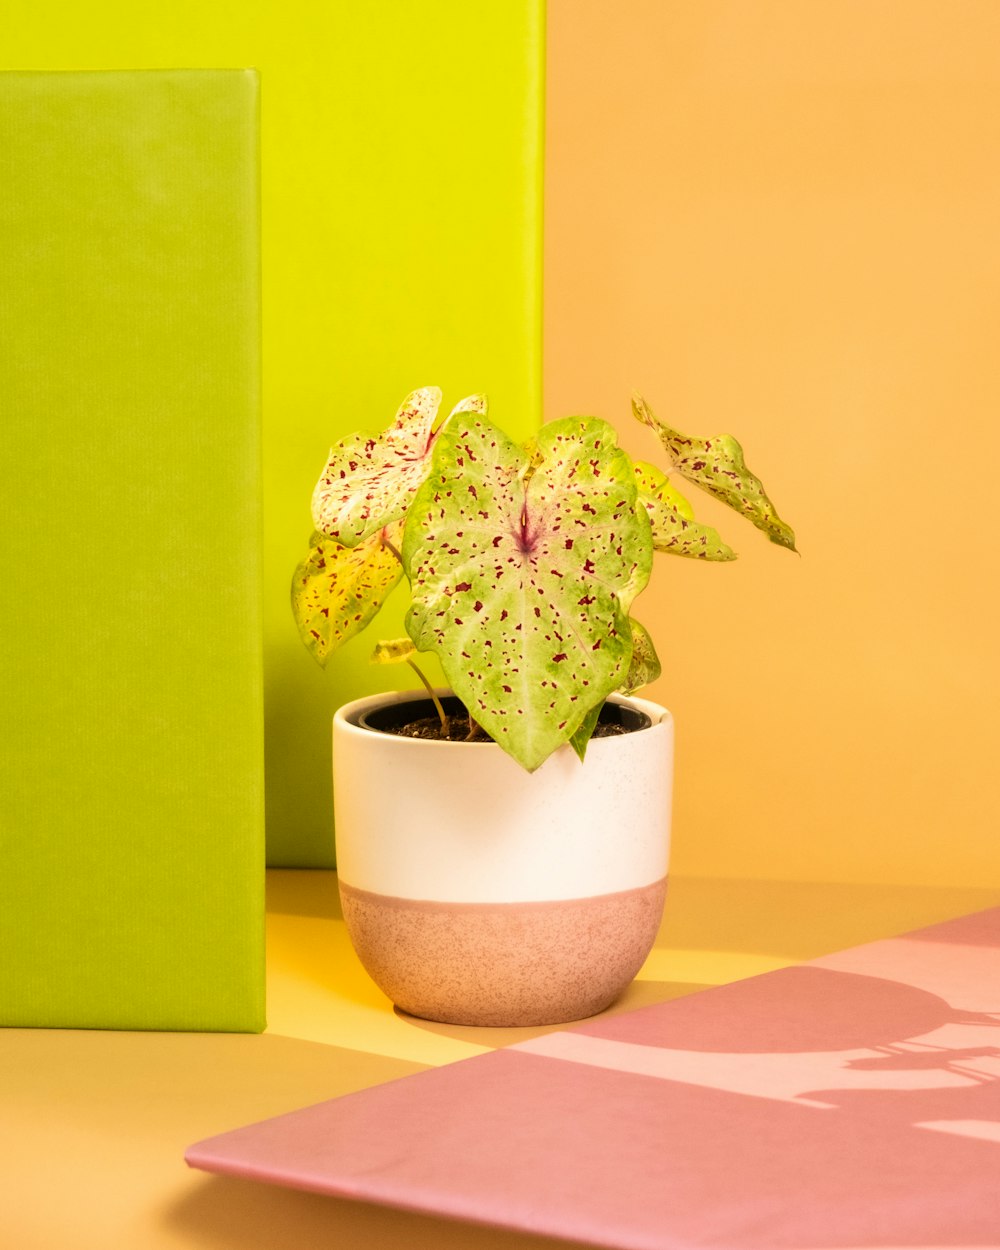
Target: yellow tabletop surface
[{"x": 96, "y": 1123}]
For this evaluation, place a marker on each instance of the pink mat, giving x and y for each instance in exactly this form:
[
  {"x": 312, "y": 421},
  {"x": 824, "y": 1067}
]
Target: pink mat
[{"x": 850, "y": 1101}]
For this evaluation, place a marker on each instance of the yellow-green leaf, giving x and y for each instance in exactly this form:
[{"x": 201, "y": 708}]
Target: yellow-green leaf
[
  {"x": 393, "y": 651},
  {"x": 645, "y": 664},
  {"x": 654, "y": 482},
  {"x": 672, "y": 522},
  {"x": 337, "y": 590},
  {"x": 583, "y": 735},
  {"x": 717, "y": 466}
]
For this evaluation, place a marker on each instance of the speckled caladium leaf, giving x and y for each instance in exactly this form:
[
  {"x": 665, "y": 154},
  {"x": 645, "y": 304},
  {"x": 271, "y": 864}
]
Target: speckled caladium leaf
[
  {"x": 643, "y": 668},
  {"x": 337, "y": 590},
  {"x": 717, "y": 466},
  {"x": 653, "y": 481},
  {"x": 671, "y": 519},
  {"x": 369, "y": 480},
  {"x": 645, "y": 664},
  {"x": 522, "y": 576},
  {"x": 581, "y": 739}
]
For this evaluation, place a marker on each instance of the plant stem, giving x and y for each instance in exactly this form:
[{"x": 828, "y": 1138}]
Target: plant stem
[
  {"x": 434, "y": 699},
  {"x": 392, "y": 547}
]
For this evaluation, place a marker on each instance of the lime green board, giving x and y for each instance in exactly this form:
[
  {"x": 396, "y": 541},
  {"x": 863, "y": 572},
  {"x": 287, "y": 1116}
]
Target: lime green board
[
  {"x": 131, "y": 804},
  {"x": 402, "y": 212}
]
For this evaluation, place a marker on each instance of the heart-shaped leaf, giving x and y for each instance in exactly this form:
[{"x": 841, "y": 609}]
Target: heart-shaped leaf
[
  {"x": 717, "y": 466},
  {"x": 337, "y": 590},
  {"x": 369, "y": 480},
  {"x": 522, "y": 575},
  {"x": 672, "y": 522}
]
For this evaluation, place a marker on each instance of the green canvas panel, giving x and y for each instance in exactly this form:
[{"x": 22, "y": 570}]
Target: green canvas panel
[
  {"x": 402, "y": 214},
  {"x": 131, "y": 806}
]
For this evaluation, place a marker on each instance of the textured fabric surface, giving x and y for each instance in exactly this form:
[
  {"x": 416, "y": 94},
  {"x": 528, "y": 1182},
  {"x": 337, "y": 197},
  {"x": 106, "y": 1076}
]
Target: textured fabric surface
[{"x": 131, "y": 809}]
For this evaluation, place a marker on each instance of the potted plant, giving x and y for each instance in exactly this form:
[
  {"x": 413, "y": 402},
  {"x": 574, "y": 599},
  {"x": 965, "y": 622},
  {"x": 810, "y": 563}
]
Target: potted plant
[{"x": 502, "y": 847}]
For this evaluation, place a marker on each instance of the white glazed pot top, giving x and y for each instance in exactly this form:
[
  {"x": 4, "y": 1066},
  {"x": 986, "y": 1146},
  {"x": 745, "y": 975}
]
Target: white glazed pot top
[{"x": 463, "y": 822}]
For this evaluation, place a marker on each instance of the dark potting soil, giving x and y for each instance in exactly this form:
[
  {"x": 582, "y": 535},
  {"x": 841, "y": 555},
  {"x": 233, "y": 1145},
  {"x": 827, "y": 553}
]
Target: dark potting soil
[
  {"x": 458, "y": 729},
  {"x": 418, "y": 719}
]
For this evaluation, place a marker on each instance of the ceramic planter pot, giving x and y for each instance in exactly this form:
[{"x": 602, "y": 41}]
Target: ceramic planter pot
[{"x": 476, "y": 893}]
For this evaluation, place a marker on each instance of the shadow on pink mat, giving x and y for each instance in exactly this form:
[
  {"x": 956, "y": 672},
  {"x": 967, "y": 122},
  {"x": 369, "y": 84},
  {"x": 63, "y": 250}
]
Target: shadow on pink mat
[{"x": 852, "y": 1102}]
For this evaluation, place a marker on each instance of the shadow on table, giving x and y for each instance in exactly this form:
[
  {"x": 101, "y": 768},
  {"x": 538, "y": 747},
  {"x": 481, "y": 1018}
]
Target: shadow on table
[
  {"x": 304, "y": 892},
  {"x": 638, "y": 994},
  {"x": 225, "y": 1213}
]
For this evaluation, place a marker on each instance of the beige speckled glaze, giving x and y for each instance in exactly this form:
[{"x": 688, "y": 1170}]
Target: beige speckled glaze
[{"x": 504, "y": 964}]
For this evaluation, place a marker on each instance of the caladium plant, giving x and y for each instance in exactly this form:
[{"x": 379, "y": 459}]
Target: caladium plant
[{"x": 523, "y": 561}]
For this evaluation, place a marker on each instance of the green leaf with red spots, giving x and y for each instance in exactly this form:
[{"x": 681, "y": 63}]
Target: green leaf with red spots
[
  {"x": 671, "y": 519},
  {"x": 643, "y": 668},
  {"x": 369, "y": 480},
  {"x": 645, "y": 664},
  {"x": 717, "y": 466},
  {"x": 653, "y": 482},
  {"x": 581, "y": 739},
  {"x": 337, "y": 590},
  {"x": 522, "y": 569}
]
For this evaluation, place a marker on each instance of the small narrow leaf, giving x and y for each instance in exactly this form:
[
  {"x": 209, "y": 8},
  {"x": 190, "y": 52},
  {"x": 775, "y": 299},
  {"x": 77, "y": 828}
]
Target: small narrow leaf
[
  {"x": 369, "y": 480},
  {"x": 583, "y": 735},
  {"x": 521, "y": 584},
  {"x": 677, "y": 536},
  {"x": 672, "y": 522},
  {"x": 645, "y": 664},
  {"x": 337, "y": 590},
  {"x": 533, "y": 455},
  {"x": 393, "y": 651},
  {"x": 717, "y": 466}
]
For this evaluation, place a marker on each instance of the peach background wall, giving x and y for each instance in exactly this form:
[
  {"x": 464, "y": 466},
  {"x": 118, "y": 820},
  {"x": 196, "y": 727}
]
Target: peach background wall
[
  {"x": 776, "y": 218},
  {"x": 779, "y": 219}
]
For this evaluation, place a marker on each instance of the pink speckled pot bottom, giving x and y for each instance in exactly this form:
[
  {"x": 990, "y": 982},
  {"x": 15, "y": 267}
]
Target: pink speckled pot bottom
[{"x": 504, "y": 963}]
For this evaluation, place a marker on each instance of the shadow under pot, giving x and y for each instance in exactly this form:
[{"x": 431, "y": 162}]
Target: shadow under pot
[{"x": 476, "y": 893}]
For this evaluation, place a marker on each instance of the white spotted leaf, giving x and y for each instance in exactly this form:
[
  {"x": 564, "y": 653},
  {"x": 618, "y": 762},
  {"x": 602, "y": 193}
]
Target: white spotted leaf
[
  {"x": 369, "y": 480},
  {"x": 717, "y": 466},
  {"x": 522, "y": 569}
]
